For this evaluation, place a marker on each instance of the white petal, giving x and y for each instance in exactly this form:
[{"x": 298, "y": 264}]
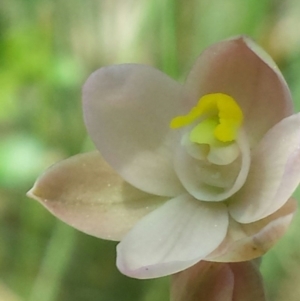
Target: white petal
[
  {"x": 248, "y": 241},
  {"x": 86, "y": 193},
  {"x": 236, "y": 67},
  {"x": 172, "y": 238},
  {"x": 127, "y": 111},
  {"x": 274, "y": 173}
]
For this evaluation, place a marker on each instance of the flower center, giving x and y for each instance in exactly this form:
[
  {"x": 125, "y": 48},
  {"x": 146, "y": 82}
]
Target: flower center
[{"x": 221, "y": 119}]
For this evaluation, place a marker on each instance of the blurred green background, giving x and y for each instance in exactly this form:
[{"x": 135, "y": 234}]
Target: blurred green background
[{"x": 47, "y": 50}]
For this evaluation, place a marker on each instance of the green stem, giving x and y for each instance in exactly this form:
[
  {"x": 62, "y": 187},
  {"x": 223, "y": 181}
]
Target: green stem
[
  {"x": 54, "y": 264},
  {"x": 168, "y": 37}
]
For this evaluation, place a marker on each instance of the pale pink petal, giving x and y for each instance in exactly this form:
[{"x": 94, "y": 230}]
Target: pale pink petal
[
  {"x": 248, "y": 282},
  {"x": 204, "y": 281},
  {"x": 249, "y": 241},
  {"x": 172, "y": 238},
  {"x": 218, "y": 282},
  {"x": 211, "y": 182},
  {"x": 236, "y": 67},
  {"x": 274, "y": 173},
  {"x": 127, "y": 111},
  {"x": 87, "y": 194}
]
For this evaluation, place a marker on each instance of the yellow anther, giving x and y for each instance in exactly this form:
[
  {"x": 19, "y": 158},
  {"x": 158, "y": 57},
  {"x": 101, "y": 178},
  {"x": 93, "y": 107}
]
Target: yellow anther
[{"x": 222, "y": 115}]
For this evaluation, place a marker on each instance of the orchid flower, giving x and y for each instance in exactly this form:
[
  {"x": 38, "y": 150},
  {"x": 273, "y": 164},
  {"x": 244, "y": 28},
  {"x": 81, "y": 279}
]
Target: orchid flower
[{"x": 183, "y": 173}]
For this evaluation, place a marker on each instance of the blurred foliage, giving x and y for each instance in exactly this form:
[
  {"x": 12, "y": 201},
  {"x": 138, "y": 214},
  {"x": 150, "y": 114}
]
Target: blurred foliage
[{"x": 47, "y": 50}]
